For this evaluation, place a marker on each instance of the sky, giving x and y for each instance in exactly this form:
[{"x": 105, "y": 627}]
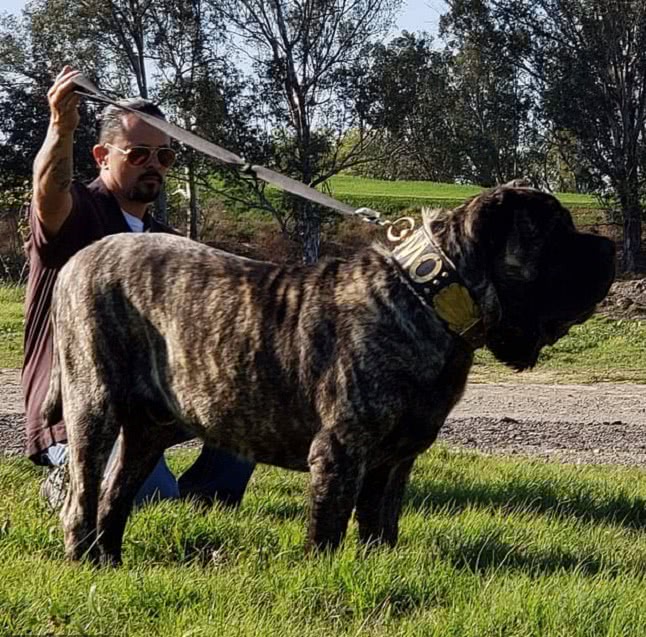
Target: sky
[{"x": 417, "y": 15}]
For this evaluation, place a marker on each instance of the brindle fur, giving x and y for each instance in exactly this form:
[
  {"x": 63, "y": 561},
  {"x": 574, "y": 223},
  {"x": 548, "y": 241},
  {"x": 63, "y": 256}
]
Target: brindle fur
[{"x": 338, "y": 369}]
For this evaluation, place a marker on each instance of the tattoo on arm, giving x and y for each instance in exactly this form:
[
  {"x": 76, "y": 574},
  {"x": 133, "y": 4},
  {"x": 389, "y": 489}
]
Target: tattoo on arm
[
  {"x": 53, "y": 172},
  {"x": 62, "y": 174}
]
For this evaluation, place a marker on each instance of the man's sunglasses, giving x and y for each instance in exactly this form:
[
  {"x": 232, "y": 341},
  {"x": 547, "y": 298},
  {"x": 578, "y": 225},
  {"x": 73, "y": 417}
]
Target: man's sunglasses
[{"x": 140, "y": 155}]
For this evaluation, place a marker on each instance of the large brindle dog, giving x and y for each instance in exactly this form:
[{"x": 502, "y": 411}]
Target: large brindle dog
[{"x": 347, "y": 369}]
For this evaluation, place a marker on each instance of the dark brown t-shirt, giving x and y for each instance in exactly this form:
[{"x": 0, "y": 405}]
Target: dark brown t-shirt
[{"x": 95, "y": 214}]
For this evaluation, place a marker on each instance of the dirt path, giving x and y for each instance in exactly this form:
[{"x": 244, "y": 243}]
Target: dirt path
[
  {"x": 595, "y": 424},
  {"x": 600, "y": 424}
]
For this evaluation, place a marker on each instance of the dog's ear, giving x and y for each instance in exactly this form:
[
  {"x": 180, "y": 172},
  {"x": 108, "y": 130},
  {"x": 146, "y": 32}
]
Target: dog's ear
[
  {"x": 522, "y": 249},
  {"x": 513, "y": 229}
]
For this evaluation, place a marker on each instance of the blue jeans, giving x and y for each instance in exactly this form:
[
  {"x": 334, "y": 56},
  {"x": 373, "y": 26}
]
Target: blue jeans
[{"x": 216, "y": 475}]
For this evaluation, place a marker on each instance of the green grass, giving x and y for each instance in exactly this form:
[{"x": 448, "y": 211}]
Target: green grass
[
  {"x": 601, "y": 350},
  {"x": 393, "y": 197},
  {"x": 11, "y": 325},
  {"x": 487, "y": 547},
  {"x": 344, "y": 184}
]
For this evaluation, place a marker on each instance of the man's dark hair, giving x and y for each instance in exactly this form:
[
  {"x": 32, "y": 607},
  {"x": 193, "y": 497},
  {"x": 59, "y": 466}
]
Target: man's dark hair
[{"x": 111, "y": 120}]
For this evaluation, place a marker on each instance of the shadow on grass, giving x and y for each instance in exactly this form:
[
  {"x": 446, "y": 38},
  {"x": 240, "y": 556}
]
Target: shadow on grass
[
  {"x": 530, "y": 496},
  {"x": 490, "y": 552}
]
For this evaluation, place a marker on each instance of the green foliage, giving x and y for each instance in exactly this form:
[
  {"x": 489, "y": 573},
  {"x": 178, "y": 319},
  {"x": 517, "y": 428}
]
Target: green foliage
[
  {"x": 32, "y": 52},
  {"x": 307, "y": 64},
  {"x": 408, "y": 92},
  {"x": 578, "y": 59},
  {"x": 487, "y": 547}
]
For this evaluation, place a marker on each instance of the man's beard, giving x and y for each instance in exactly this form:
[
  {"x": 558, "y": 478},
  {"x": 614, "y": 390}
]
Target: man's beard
[{"x": 145, "y": 191}]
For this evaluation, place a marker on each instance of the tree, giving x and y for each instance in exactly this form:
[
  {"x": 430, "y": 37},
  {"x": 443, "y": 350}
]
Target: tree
[
  {"x": 491, "y": 117},
  {"x": 462, "y": 113},
  {"x": 408, "y": 92},
  {"x": 167, "y": 51},
  {"x": 184, "y": 39},
  {"x": 492, "y": 109},
  {"x": 205, "y": 93},
  {"x": 122, "y": 29},
  {"x": 595, "y": 89},
  {"x": 587, "y": 63},
  {"x": 30, "y": 56},
  {"x": 303, "y": 53}
]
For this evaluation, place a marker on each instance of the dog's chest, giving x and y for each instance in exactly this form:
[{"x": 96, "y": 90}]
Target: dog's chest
[{"x": 422, "y": 420}]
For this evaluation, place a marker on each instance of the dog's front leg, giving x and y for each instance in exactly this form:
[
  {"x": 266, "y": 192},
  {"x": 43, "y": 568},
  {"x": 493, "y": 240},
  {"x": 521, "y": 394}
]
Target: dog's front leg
[
  {"x": 336, "y": 471},
  {"x": 379, "y": 502}
]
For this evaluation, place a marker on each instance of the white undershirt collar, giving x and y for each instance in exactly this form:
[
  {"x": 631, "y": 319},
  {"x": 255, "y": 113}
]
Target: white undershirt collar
[{"x": 136, "y": 224}]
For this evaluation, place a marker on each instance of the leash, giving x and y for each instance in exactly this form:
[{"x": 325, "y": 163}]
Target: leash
[
  {"x": 432, "y": 276},
  {"x": 231, "y": 159}
]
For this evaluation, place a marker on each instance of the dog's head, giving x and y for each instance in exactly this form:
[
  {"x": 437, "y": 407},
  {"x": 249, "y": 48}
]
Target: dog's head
[{"x": 547, "y": 276}]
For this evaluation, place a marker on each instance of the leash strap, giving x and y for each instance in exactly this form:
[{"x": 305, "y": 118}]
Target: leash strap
[
  {"x": 231, "y": 159},
  {"x": 430, "y": 274}
]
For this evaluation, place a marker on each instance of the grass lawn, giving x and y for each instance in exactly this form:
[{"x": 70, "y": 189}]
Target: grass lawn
[
  {"x": 393, "y": 197},
  {"x": 601, "y": 350},
  {"x": 11, "y": 325},
  {"x": 487, "y": 547},
  {"x": 344, "y": 184}
]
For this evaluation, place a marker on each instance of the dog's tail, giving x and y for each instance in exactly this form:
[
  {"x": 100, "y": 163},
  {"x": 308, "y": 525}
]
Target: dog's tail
[{"x": 52, "y": 411}]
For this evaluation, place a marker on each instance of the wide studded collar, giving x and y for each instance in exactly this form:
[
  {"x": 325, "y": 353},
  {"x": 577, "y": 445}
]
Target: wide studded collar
[{"x": 433, "y": 278}]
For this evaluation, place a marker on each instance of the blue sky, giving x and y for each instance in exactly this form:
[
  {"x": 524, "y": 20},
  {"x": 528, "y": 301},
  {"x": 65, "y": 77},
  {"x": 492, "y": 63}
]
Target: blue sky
[
  {"x": 417, "y": 15},
  {"x": 421, "y": 15}
]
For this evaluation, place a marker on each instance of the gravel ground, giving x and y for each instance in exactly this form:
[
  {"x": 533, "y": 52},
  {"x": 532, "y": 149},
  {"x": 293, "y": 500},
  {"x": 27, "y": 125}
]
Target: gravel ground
[{"x": 592, "y": 424}]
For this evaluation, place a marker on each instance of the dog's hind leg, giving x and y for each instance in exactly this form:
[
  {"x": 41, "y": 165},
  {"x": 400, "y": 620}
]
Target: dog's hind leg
[
  {"x": 336, "y": 472},
  {"x": 140, "y": 448},
  {"x": 92, "y": 430},
  {"x": 380, "y": 501}
]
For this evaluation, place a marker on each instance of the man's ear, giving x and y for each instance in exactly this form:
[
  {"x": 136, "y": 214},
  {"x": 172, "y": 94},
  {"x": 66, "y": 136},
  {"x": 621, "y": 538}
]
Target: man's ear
[{"x": 100, "y": 154}]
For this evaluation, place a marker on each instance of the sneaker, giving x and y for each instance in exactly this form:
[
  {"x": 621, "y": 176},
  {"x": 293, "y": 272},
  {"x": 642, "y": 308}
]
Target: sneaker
[{"x": 54, "y": 487}]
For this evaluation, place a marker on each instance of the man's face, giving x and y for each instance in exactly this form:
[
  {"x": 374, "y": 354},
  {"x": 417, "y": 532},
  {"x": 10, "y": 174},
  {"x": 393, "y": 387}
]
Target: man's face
[{"x": 134, "y": 183}]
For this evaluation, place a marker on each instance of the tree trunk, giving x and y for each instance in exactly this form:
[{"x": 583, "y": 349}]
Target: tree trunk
[
  {"x": 192, "y": 204},
  {"x": 309, "y": 231},
  {"x": 632, "y": 237},
  {"x": 631, "y": 212},
  {"x": 161, "y": 206}
]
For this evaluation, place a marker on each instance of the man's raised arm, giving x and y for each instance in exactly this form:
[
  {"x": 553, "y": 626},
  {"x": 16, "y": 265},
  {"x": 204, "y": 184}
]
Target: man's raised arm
[{"x": 53, "y": 166}]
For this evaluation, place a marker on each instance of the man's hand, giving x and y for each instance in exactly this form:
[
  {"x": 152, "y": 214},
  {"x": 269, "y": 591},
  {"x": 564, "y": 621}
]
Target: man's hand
[
  {"x": 63, "y": 102},
  {"x": 53, "y": 167}
]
